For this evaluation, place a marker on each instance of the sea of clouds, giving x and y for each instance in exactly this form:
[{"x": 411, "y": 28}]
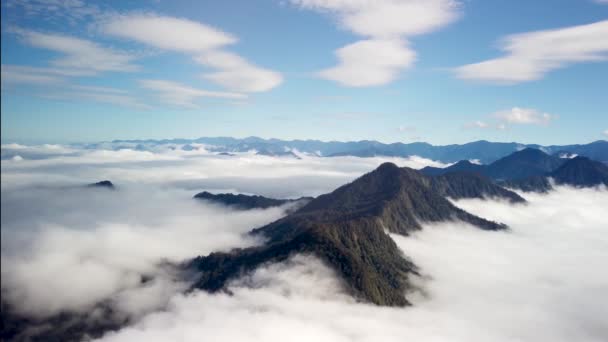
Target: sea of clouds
[{"x": 66, "y": 248}]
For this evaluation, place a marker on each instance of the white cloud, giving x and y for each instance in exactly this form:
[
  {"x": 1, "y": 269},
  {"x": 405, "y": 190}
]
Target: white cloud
[
  {"x": 56, "y": 86},
  {"x": 524, "y": 116},
  {"x": 407, "y": 128},
  {"x": 85, "y": 261},
  {"x": 80, "y": 54},
  {"x": 601, "y": 1},
  {"x": 370, "y": 62},
  {"x": 529, "y": 56},
  {"x": 203, "y": 42},
  {"x": 386, "y": 25},
  {"x": 167, "y": 164},
  {"x": 387, "y": 18},
  {"x": 97, "y": 94},
  {"x": 477, "y": 124},
  {"x": 178, "y": 94},
  {"x": 237, "y": 74},
  {"x": 57, "y": 74},
  {"x": 24, "y": 75},
  {"x": 605, "y": 132},
  {"x": 166, "y": 33}
]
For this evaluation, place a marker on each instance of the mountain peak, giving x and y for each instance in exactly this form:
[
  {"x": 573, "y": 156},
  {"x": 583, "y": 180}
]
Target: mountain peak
[
  {"x": 102, "y": 184},
  {"x": 347, "y": 230},
  {"x": 581, "y": 172}
]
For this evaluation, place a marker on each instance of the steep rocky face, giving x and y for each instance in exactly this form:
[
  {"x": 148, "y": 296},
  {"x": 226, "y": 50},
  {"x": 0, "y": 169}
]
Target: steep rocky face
[
  {"x": 581, "y": 172},
  {"x": 246, "y": 202},
  {"x": 347, "y": 229},
  {"x": 459, "y": 185}
]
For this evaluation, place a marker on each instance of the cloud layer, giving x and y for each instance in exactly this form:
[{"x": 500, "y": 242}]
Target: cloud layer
[{"x": 540, "y": 281}]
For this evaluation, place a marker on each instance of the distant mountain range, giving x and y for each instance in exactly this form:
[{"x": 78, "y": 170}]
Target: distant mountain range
[
  {"x": 483, "y": 151},
  {"x": 531, "y": 170}
]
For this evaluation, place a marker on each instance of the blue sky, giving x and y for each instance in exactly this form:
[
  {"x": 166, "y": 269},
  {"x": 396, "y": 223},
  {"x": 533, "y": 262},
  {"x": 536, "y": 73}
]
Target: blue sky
[{"x": 440, "y": 71}]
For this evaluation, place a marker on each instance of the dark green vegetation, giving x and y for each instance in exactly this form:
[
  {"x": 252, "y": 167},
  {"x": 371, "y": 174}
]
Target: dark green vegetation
[
  {"x": 246, "y": 202},
  {"x": 347, "y": 229}
]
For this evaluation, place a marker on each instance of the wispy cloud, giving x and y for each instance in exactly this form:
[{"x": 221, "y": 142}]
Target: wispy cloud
[
  {"x": 98, "y": 94},
  {"x": 166, "y": 33},
  {"x": 54, "y": 83},
  {"x": 181, "y": 95},
  {"x": 79, "y": 54},
  {"x": 477, "y": 124},
  {"x": 530, "y": 56},
  {"x": 503, "y": 119},
  {"x": 237, "y": 74},
  {"x": 203, "y": 42},
  {"x": 524, "y": 116},
  {"x": 386, "y": 25},
  {"x": 12, "y": 74}
]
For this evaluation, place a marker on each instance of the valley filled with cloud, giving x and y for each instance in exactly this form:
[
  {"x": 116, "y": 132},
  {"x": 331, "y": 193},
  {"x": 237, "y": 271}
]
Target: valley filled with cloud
[{"x": 101, "y": 254}]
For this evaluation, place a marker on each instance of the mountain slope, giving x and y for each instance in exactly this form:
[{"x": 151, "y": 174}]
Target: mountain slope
[
  {"x": 461, "y": 166},
  {"x": 346, "y": 229},
  {"x": 535, "y": 183},
  {"x": 459, "y": 185},
  {"x": 523, "y": 164},
  {"x": 581, "y": 172},
  {"x": 246, "y": 202}
]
